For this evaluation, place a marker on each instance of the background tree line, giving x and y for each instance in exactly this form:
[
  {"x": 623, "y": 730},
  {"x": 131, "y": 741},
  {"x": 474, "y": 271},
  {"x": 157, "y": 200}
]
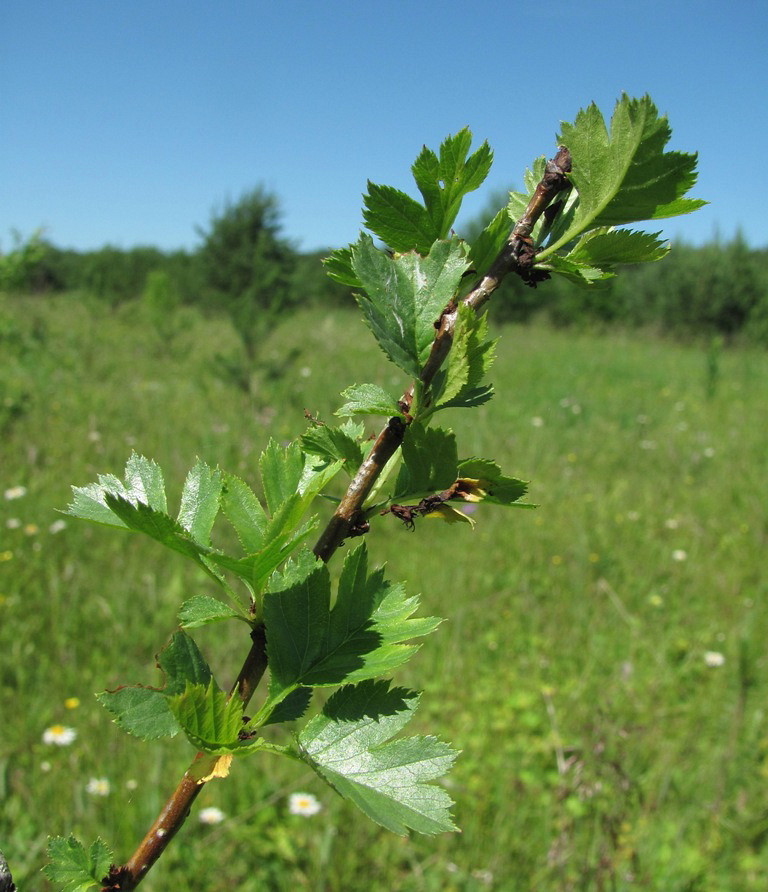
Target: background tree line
[{"x": 246, "y": 268}]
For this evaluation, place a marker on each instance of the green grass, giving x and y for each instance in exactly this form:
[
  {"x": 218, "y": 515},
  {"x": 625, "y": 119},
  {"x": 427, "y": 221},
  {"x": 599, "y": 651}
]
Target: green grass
[{"x": 599, "y": 749}]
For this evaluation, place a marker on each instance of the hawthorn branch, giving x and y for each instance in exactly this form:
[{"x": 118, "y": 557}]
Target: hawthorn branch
[{"x": 516, "y": 256}]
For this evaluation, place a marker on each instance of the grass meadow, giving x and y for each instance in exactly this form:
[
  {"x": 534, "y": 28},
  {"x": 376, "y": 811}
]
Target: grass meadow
[{"x": 602, "y": 668}]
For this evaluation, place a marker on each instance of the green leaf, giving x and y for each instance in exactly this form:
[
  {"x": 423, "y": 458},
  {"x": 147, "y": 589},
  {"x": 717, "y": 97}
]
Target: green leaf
[
  {"x": 368, "y": 399},
  {"x": 624, "y": 175},
  {"x": 578, "y": 272},
  {"x": 254, "y": 569},
  {"x": 143, "y": 711},
  {"x": 72, "y": 869},
  {"x": 142, "y": 518},
  {"x": 349, "y": 745},
  {"x": 296, "y": 608},
  {"x": 211, "y": 720},
  {"x": 291, "y": 708},
  {"x": 469, "y": 360},
  {"x": 370, "y": 620},
  {"x": 491, "y": 240},
  {"x": 281, "y": 470},
  {"x": 598, "y": 251},
  {"x": 607, "y": 247},
  {"x": 245, "y": 512},
  {"x": 402, "y": 223},
  {"x": 202, "y": 610},
  {"x": 291, "y": 480},
  {"x": 333, "y": 444},
  {"x": 139, "y": 711},
  {"x": 200, "y": 500},
  {"x": 430, "y": 461},
  {"x": 143, "y": 485},
  {"x": 444, "y": 181},
  {"x": 405, "y": 295},
  {"x": 140, "y": 505},
  {"x": 144, "y": 482},
  {"x": 338, "y": 266},
  {"x": 309, "y": 644}
]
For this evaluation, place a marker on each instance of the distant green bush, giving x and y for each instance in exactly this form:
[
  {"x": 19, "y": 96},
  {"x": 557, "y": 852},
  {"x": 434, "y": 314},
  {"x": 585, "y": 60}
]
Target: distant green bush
[
  {"x": 20, "y": 267},
  {"x": 245, "y": 265}
]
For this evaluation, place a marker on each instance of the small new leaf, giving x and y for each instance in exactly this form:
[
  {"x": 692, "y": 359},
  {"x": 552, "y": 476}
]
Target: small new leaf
[
  {"x": 140, "y": 505},
  {"x": 605, "y": 248},
  {"x": 143, "y": 711},
  {"x": 72, "y": 869},
  {"x": 338, "y": 266},
  {"x": 368, "y": 399},
  {"x": 202, "y": 610},
  {"x": 211, "y": 720},
  {"x": 578, "y": 272},
  {"x": 490, "y": 241},
  {"x": 349, "y": 745},
  {"x": 245, "y": 512},
  {"x": 281, "y": 469},
  {"x": 333, "y": 444},
  {"x": 444, "y": 181}
]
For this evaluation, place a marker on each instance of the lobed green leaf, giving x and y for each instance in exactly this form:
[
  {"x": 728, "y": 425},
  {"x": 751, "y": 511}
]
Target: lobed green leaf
[
  {"x": 404, "y": 224},
  {"x": 349, "y": 745},
  {"x": 624, "y": 175},
  {"x": 405, "y": 295},
  {"x": 72, "y": 869},
  {"x": 245, "y": 512},
  {"x": 362, "y": 636}
]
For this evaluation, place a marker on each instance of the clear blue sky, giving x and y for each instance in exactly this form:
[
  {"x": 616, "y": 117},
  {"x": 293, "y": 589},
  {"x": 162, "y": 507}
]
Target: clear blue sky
[{"x": 127, "y": 122}]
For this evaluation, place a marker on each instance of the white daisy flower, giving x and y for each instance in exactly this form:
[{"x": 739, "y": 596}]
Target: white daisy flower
[
  {"x": 211, "y": 815},
  {"x": 98, "y": 786},
  {"x": 15, "y": 492},
  {"x": 714, "y": 659},
  {"x": 59, "y": 735},
  {"x": 303, "y": 804}
]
